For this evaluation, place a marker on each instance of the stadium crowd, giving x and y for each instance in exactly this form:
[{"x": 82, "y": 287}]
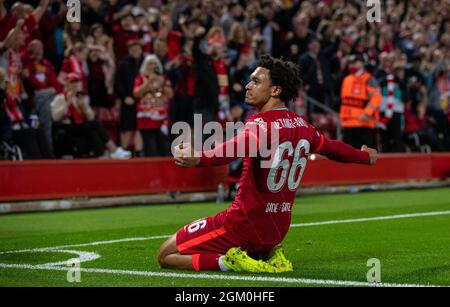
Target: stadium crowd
[{"x": 112, "y": 84}]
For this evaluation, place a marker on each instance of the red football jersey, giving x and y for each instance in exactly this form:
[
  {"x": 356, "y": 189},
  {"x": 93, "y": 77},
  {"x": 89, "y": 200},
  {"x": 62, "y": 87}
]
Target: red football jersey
[{"x": 261, "y": 211}]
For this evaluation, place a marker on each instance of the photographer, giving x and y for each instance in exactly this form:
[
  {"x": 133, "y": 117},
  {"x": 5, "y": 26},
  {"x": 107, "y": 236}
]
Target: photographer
[{"x": 76, "y": 131}]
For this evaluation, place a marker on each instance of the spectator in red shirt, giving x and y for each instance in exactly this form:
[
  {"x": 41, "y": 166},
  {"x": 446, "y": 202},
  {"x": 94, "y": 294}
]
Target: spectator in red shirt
[
  {"x": 18, "y": 126},
  {"x": 182, "y": 74},
  {"x": 154, "y": 93},
  {"x": 416, "y": 126},
  {"x": 31, "y": 20},
  {"x": 126, "y": 31},
  {"x": 11, "y": 62},
  {"x": 76, "y": 63},
  {"x": 42, "y": 85},
  {"x": 172, "y": 38},
  {"x": 40, "y": 73}
]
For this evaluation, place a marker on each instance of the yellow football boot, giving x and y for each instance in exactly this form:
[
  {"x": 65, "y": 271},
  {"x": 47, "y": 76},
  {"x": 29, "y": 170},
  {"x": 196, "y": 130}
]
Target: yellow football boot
[
  {"x": 279, "y": 261},
  {"x": 239, "y": 261}
]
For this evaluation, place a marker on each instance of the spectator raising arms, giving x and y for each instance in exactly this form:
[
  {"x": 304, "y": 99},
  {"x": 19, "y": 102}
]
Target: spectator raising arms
[
  {"x": 30, "y": 17},
  {"x": 208, "y": 50}
]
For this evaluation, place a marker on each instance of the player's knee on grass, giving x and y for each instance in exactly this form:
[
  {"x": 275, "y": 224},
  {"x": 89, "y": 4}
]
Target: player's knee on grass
[
  {"x": 167, "y": 248},
  {"x": 161, "y": 259}
]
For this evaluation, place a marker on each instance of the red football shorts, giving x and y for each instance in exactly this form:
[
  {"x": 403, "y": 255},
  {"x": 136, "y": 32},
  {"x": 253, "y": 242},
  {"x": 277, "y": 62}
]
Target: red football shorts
[{"x": 209, "y": 235}]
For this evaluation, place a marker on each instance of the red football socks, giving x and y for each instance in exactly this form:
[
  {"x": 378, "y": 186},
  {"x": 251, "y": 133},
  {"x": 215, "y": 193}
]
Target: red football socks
[{"x": 206, "y": 262}]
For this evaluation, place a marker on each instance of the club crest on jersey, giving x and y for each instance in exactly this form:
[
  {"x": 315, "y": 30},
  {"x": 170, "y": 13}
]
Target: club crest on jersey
[{"x": 260, "y": 122}]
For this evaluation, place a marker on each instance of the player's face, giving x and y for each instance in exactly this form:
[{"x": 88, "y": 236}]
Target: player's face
[{"x": 259, "y": 89}]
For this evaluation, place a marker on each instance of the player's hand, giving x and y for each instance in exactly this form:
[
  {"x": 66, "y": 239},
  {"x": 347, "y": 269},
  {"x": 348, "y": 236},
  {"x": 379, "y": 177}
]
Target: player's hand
[
  {"x": 184, "y": 155},
  {"x": 372, "y": 154}
]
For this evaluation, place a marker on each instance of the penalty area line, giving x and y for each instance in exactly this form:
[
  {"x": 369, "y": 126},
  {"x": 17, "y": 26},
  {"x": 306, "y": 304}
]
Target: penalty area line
[{"x": 286, "y": 280}]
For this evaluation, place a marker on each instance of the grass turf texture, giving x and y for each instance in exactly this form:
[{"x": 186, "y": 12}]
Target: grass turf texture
[{"x": 412, "y": 250}]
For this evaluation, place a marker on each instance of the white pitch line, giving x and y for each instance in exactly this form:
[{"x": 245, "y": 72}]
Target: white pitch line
[
  {"x": 377, "y": 218},
  {"x": 82, "y": 256},
  {"x": 217, "y": 276},
  {"x": 114, "y": 241},
  {"x": 51, "y": 248},
  {"x": 223, "y": 277}
]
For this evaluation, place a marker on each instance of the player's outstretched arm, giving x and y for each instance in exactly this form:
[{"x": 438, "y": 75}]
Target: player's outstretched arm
[
  {"x": 341, "y": 152},
  {"x": 184, "y": 154},
  {"x": 225, "y": 153}
]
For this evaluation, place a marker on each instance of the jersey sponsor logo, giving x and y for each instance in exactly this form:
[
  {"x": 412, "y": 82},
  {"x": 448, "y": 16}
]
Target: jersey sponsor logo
[
  {"x": 260, "y": 122},
  {"x": 278, "y": 208}
]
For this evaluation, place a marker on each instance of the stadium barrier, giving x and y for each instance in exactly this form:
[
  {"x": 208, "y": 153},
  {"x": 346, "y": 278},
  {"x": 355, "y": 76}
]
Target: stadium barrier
[
  {"x": 57, "y": 179},
  {"x": 389, "y": 168},
  {"x": 62, "y": 179}
]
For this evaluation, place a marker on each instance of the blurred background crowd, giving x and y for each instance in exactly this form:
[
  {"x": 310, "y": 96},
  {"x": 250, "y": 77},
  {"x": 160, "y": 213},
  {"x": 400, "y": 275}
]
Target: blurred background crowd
[{"x": 112, "y": 85}]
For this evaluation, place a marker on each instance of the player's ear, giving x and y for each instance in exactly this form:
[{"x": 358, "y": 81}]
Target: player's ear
[{"x": 276, "y": 91}]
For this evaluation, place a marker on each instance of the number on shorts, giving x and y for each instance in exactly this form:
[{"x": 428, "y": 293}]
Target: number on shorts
[
  {"x": 288, "y": 170},
  {"x": 196, "y": 226}
]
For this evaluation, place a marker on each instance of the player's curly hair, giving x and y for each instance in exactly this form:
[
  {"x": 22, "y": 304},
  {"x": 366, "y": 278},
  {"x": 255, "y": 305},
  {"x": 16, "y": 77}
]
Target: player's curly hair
[{"x": 284, "y": 74}]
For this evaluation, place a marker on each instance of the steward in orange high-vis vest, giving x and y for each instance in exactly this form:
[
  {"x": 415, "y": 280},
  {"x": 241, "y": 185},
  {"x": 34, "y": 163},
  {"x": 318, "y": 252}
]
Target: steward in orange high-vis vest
[{"x": 360, "y": 102}]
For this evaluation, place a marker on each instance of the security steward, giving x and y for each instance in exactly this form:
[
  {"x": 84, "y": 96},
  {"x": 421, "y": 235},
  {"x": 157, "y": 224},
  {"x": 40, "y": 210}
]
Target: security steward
[{"x": 360, "y": 102}]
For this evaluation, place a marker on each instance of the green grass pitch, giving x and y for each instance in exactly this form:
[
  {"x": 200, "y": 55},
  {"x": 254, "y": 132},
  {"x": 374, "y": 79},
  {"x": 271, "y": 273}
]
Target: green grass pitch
[{"x": 412, "y": 243}]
